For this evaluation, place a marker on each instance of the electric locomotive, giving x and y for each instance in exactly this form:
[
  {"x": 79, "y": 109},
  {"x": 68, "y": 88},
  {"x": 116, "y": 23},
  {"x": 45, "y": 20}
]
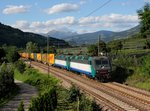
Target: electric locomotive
[{"x": 94, "y": 67}]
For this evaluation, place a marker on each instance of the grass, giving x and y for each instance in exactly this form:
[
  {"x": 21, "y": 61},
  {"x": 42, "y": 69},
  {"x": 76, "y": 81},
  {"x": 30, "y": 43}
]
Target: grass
[
  {"x": 43, "y": 82},
  {"x": 141, "y": 81},
  {"x": 37, "y": 79}
]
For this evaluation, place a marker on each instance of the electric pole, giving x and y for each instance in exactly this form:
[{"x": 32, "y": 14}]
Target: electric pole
[{"x": 47, "y": 54}]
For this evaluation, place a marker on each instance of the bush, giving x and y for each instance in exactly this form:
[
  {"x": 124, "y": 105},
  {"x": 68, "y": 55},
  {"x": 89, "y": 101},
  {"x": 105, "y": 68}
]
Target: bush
[
  {"x": 45, "y": 102},
  {"x": 20, "y": 66},
  {"x": 6, "y": 79},
  {"x": 82, "y": 102},
  {"x": 12, "y": 54},
  {"x": 74, "y": 94},
  {"x": 21, "y": 107},
  {"x": 146, "y": 65},
  {"x": 124, "y": 61}
]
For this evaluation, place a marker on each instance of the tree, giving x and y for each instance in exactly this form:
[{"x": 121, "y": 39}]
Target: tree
[
  {"x": 52, "y": 49},
  {"x": 147, "y": 44},
  {"x": 20, "y": 66},
  {"x": 144, "y": 16},
  {"x": 31, "y": 47},
  {"x": 12, "y": 54},
  {"x": 93, "y": 50},
  {"x": 117, "y": 46},
  {"x": 102, "y": 46}
]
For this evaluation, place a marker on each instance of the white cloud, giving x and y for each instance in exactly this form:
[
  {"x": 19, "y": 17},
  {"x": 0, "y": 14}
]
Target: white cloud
[
  {"x": 22, "y": 24},
  {"x": 64, "y": 7},
  {"x": 114, "y": 22},
  {"x": 110, "y": 21},
  {"x": 13, "y": 9}
]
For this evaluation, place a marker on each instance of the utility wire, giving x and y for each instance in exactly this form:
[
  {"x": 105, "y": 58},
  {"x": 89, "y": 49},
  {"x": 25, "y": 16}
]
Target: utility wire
[{"x": 98, "y": 8}]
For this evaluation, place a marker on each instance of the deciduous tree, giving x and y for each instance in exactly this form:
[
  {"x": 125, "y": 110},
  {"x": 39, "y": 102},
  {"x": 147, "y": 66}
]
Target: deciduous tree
[{"x": 144, "y": 16}]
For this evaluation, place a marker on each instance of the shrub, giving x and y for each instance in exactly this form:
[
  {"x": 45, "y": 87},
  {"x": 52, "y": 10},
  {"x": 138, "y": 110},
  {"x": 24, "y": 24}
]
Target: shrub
[
  {"x": 6, "y": 79},
  {"x": 74, "y": 94},
  {"x": 45, "y": 102},
  {"x": 21, "y": 107},
  {"x": 20, "y": 66},
  {"x": 12, "y": 54},
  {"x": 124, "y": 61},
  {"x": 146, "y": 65}
]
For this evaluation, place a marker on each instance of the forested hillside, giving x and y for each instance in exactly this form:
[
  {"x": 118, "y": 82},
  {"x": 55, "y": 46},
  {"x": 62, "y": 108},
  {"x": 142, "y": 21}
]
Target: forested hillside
[{"x": 16, "y": 37}]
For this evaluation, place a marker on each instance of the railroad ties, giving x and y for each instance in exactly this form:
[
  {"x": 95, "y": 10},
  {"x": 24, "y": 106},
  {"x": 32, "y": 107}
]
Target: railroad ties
[{"x": 110, "y": 96}]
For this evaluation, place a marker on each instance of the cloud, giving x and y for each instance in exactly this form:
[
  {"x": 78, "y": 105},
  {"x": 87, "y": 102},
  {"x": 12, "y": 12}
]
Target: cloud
[
  {"x": 109, "y": 21},
  {"x": 114, "y": 22},
  {"x": 13, "y": 9},
  {"x": 64, "y": 7},
  {"x": 66, "y": 21}
]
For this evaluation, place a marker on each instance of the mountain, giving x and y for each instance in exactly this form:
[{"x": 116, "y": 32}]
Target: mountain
[
  {"x": 16, "y": 37},
  {"x": 91, "y": 38},
  {"x": 60, "y": 34}
]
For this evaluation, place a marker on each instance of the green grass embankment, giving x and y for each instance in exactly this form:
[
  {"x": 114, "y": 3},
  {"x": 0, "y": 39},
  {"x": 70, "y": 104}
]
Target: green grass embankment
[
  {"x": 37, "y": 79},
  {"x": 66, "y": 99},
  {"x": 139, "y": 80}
]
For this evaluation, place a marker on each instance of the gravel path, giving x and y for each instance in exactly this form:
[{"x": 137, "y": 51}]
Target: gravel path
[{"x": 26, "y": 93}]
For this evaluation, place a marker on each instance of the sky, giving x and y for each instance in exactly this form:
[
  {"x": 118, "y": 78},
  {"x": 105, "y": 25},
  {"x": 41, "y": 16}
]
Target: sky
[{"x": 42, "y": 16}]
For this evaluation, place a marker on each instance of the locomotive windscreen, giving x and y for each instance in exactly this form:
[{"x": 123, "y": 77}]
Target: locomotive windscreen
[{"x": 101, "y": 62}]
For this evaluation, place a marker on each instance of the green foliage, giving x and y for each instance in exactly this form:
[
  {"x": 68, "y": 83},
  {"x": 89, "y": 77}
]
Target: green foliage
[
  {"x": 102, "y": 46},
  {"x": 120, "y": 74},
  {"x": 35, "y": 78},
  {"x": 74, "y": 94},
  {"x": 6, "y": 78},
  {"x": 124, "y": 61},
  {"x": 51, "y": 49},
  {"x": 20, "y": 66},
  {"x": 45, "y": 102},
  {"x": 93, "y": 50},
  {"x": 121, "y": 69},
  {"x": 2, "y": 53},
  {"x": 85, "y": 104},
  {"x": 144, "y": 16},
  {"x": 12, "y": 54},
  {"x": 117, "y": 46},
  {"x": 81, "y": 102},
  {"x": 21, "y": 107},
  {"x": 147, "y": 44},
  {"x": 7, "y": 85},
  {"x": 146, "y": 65},
  {"x": 16, "y": 37},
  {"x": 95, "y": 106},
  {"x": 31, "y": 47},
  {"x": 139, "y": 79}
]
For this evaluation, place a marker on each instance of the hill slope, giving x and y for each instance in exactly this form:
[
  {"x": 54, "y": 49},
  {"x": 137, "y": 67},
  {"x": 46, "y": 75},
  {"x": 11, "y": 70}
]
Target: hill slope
[
  {"x": 90, "y": 38},
  {"x": 60, "y": 34},
  {"x": 16, "y": 37}
]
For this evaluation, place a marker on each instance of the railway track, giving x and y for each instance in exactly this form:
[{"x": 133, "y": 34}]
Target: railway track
[{"x": 112, "y": 96}]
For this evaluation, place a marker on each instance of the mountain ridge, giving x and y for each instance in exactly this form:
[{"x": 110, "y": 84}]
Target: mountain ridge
[
  {"x": 16, "y": 37},
  {"x": 91, "y": 38}
]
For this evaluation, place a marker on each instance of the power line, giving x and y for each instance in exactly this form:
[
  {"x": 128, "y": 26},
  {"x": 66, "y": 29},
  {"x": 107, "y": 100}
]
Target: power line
[{"x": 98, "y": 8}]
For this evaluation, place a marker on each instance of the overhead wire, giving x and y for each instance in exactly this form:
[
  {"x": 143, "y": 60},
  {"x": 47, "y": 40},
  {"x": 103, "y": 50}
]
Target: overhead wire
[{"x": 101, "y": 6}]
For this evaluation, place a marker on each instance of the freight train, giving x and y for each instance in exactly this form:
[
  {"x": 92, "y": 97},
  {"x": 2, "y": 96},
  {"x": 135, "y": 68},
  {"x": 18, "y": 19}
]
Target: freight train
[{"x": 94, "y": 67}]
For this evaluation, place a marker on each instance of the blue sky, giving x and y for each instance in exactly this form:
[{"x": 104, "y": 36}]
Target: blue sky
[{"x": 41, "y": 16}]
